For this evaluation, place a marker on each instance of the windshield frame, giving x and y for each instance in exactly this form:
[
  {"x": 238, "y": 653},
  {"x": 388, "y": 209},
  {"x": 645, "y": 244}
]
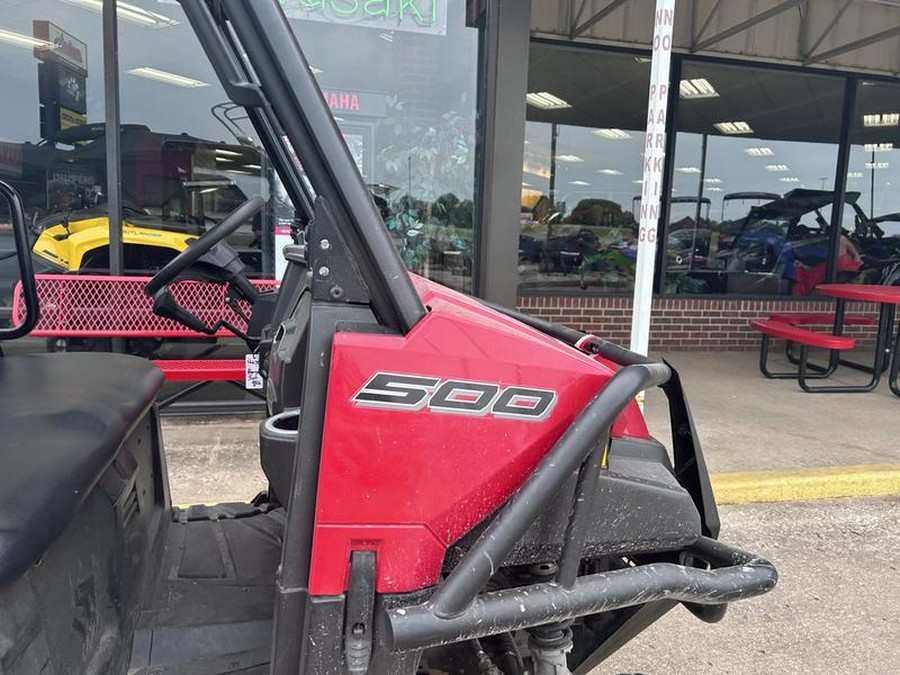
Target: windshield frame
[{"x": 262, "y": 67}]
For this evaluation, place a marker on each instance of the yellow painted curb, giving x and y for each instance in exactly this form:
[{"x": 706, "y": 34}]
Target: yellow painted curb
[
  {"x": 795, "y": 485},
  {"x": 790, "y": 485}
]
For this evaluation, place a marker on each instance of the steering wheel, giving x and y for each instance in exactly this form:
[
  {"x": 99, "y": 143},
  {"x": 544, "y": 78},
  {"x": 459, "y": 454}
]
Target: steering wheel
[{"x": 200, "y": 247}]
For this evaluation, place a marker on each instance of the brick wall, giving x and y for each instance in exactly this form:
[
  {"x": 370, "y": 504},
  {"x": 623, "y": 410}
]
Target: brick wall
[{"x": 680, "y": 324}]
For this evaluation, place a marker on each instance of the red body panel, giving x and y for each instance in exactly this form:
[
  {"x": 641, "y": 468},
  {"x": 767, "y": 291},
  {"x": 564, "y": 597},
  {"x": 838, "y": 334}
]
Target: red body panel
[{"x": 410, "y": 483}]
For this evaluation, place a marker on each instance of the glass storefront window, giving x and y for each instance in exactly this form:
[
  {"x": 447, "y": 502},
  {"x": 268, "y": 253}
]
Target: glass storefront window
[
  {"x": 581, "y": 172},
  {"x": 872, "y": 220},
  {"x": 753, "y": 181},
  {"x": 401, "y": 82},
  {"x": 52, "y": 80},
  {"x": 188, "y": 154}
]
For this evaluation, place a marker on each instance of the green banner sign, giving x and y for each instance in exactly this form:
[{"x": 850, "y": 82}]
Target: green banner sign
[{"x": 419, "y": 16}]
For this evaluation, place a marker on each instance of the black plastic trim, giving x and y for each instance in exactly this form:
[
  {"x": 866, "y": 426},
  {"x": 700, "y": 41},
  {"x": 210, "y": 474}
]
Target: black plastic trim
[
  {"x": 358, "y": 617},
  {"x": 293, "y": 631}
]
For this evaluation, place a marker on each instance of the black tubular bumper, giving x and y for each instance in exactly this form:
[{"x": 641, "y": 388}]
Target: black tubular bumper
[
  {"x": 734, "y": 575},
  {"x": 710, "y": 574}
]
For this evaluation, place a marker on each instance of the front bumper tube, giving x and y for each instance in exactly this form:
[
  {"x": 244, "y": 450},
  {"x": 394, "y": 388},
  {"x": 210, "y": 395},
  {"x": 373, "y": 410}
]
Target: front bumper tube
[{"x": 733, "y": 575}]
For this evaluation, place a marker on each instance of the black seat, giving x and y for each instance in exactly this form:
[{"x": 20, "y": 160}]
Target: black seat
[{"x": 62, "y": 419}]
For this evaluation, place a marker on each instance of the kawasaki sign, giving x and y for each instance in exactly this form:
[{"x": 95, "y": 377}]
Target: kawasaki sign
[{"x": 418, "y": 16}]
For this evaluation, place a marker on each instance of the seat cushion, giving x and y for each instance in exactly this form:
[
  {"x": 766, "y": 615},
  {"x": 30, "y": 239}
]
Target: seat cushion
[{"x": 62, "y": 419}]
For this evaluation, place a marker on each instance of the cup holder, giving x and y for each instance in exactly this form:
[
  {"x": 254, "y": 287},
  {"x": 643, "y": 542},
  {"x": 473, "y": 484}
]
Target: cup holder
[
  {"x": 277, "y": 443},
  {"x": 287, "y": 422}
]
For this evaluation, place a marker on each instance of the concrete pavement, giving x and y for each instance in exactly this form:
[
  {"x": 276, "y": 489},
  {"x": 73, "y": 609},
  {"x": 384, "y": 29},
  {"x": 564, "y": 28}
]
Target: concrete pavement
[{"x": 749, "y": 423}]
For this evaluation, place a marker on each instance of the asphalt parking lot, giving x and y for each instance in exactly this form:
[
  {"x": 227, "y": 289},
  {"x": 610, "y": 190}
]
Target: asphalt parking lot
[{"x": 834, "y": 610}]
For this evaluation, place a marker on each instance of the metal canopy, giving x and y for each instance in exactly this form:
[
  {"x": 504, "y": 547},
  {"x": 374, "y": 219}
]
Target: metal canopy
[
  {"x": 857, "y": 35},
  {"x": 697, "y": 46},
  {"x": 578, "y": 29}
]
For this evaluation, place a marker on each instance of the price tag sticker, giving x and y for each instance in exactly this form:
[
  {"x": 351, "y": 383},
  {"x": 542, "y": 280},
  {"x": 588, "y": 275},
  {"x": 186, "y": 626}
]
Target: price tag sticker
[{"x": 252, "y": 378}]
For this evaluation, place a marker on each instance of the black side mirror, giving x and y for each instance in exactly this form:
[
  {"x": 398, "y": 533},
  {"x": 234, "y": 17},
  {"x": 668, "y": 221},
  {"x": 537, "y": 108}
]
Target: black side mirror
[{"x": 11, "y": 208}]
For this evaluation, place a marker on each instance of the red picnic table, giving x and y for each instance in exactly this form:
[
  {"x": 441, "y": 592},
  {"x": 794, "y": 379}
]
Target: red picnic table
[{"x": 886, "y": 350}]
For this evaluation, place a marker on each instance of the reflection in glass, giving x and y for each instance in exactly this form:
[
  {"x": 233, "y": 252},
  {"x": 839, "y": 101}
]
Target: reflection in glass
[
  {"x": 188, "y": 154},
  {"x": 873, "y": 224},
  {"x": 761, "y": 191},
  {"x": 403, "y": 94},
  {"x": 52, "y": 79},
  {"x": 581, "y": 171}
]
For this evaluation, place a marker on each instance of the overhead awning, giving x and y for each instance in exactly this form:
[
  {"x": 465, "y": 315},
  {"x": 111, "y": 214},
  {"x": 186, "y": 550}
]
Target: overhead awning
[{"x": 855, "y": 35}]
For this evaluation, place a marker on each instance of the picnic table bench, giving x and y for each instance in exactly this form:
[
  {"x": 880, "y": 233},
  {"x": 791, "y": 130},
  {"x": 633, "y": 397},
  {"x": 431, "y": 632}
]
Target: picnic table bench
[
  {"x": 788, "y": 326},
  {"x": 91, "y": 306},
  {"x": 821, "y": 319}
]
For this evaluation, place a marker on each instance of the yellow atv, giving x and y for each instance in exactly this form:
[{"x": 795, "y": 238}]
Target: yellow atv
[{"x": 80, "y": 243}]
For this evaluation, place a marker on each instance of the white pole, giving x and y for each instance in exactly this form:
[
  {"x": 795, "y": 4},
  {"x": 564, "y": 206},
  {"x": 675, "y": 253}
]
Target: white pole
[{"x": 654, "y": 156}]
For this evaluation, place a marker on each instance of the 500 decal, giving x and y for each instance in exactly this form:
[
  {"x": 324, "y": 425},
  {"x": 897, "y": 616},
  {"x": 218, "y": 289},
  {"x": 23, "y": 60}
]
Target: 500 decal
[{"x": 393, "y": 391}]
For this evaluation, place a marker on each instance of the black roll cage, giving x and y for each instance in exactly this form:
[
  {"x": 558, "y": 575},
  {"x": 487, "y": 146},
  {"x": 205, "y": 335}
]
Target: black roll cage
[{"x": 256, "y": 56}]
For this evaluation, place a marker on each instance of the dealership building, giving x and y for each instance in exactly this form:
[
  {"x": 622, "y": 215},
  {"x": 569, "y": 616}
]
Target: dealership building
[{"x": 503, "y": 141}]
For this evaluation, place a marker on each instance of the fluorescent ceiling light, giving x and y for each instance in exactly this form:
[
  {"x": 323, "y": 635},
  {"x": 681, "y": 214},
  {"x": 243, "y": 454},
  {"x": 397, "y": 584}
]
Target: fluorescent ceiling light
[
  {"x": 569, "y": 158},
  {"x": 316, "y": 71},
  {"x": 257, "y": 167},
  {"x": 759, "y": 152},
  {"x": 546, "y": 101},
  {"x": 578, "y": 182},
  {"x": 526, "y": 185},
  {"x": 387, "y": 36},
  {"x": 610, "y": 172},
  {"x": 697, "y": 88},
  {"x": 127, "y": 12},
  {"x": 213, "y": 182},
  {"x": 891, "y": 119},
  {"x": 20, "y": 40},
  {"x": 643, "y": 59},
  {"x": 228, "y": 153},
  {"x": 688, "y": 169},
  {"x": 714, "y": 189},
  {"x": 877, "y": 165},
  {"x": 167, "y": 78},
  {"x": 612, "y": 134},
  {"x": 732, "y": 128},
  {"x": 789, "y": 179},
  {"x": 878, "y": 147},
  {"x": 713, "y": 181},
  {"x": 855, "y": 174},
  {"x": 777, "y": 167},
  {"x": 638, "y": 181}
]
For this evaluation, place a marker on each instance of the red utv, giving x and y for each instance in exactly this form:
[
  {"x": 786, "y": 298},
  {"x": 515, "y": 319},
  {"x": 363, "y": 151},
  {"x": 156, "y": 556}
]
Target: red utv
[{"x": 456, "y": 488}]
